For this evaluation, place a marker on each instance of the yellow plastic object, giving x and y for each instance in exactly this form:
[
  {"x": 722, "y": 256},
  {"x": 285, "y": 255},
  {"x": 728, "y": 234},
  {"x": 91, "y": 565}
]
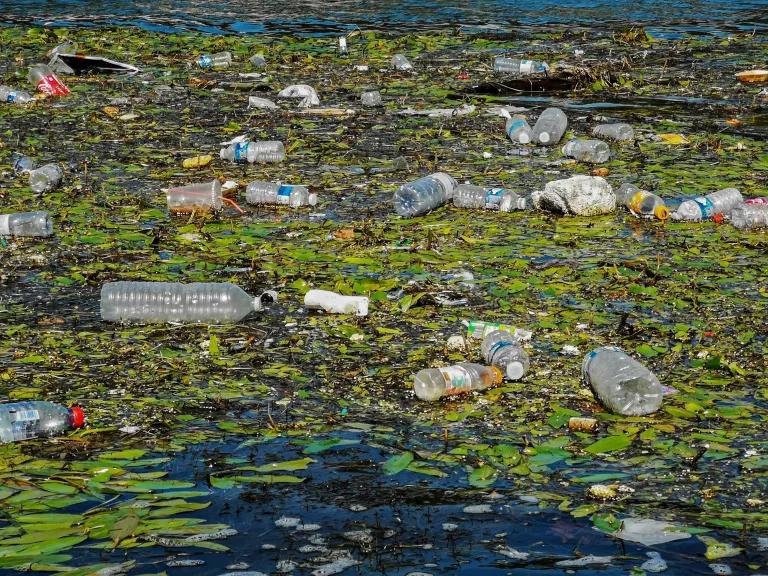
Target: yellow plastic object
[{"x": 197, "y": 161}]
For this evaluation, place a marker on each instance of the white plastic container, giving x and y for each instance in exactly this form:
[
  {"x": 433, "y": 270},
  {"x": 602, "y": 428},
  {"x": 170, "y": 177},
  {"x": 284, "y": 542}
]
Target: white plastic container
[
  {"x": 45, "y": 178},
  {"x": 371, "y": 98},
  {"x": 401, "y": 62},
  {"x": 592, "y": 151},
  {"x": 518, "y": 67},
  {"x": 263, "y": 151},
  {"x": 218, "y": 60},
  {"x": 750, "y": 216},
  {"x": 433, "y": 383},
  {"x": 519, "y": 130},
  {"x": 620, "y": 132},
  {"x": 470, "y": 196},
  {"x": 334, "y": 303},
  {"x": 12, "y": 96}
]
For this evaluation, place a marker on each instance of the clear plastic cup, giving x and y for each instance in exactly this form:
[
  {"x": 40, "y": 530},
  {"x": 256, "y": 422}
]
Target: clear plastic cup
[{"x": 201, "y": 197}]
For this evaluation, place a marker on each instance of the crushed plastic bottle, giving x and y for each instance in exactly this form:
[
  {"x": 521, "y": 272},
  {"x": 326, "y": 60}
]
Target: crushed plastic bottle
[
  {"x": 26, "y": 224},
  {"x": 550, "y": 127},
  {"x": 518, "y": 129},
  {"x": 263, "y": 151},
  {"x": 501, "y": 349},
  {"x": 371, "y": 98},
  {"x": 750, "y": 216},
  {"x": 433, "y": 383},
  {"x": 519, "y": 67},
  {"x": 401, "y": 62},
  {"x": 470, "y": 196},
  {"x": 23, "y": 164},
  {"x": 621, "y": 383},
  {"x": 592, "y": 151},
  {"x": 37, "y": 419},
  {"x": 307, "y": 94},
  {"x": 218, "y": 60},
  {"x": 175, "y": 302},
  {"x": 198, "y": 197},
  {"x": 45, "y": 178},
  {"x": 45, "y": 80},
  {"x": 705, "y": 207},
  {"x": 12, "y": 96},
  {"x": 334, "y": 303},
  {"x": 641, "y": 203},
  {"x": 261, "y": 103},
  {"x": 262, "y": 192},
  {"x": 425, "y": 194},
  {"x": 620, "y": 132}
]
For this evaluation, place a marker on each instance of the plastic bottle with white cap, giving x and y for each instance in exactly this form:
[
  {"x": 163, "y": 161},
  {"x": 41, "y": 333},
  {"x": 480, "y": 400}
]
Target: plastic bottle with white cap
[
  {"x": 293, "y": 195},
  {"x": 334, "y": 303},
  {"x": 470, "y": 196},
  {"x": 550, "y": 127},
  {"x": 501, "y": 349},
  {"x": 705, "y": 207}
]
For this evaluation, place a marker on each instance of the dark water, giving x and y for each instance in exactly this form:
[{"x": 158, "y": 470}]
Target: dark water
[{"x": 320, "y": 17}]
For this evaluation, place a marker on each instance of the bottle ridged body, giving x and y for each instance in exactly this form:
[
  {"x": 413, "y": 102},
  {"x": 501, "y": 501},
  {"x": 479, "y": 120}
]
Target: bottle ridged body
[
  {"x": 621, "y": 383},
  {"x": 262, "y": 192},
  {"x": 518, "y": 67},
  {"x": 620, "y": 132},
  {"x": 12, "y": 96},
  {"x": 401, "y": 62},
  {"x": 705, "y": 207},
  {"x": 45, "y": 178},
  {"x": 174, "y": 302},
  {"x": 469, "y": 196},
  {"x": 433, "y": 383},
  {"x": 218, "y": 60},
  {"x": 425, "y": 194},
  {"x": 592, "y": 151},
  {"x": 519, "y": 130},
  {"x": 750, "y": 216},
  {"x": 26, "y": 224},
  {"x": 25, "y": 420},
  {"x": 550, "y": 127},
  {"x": 501, "y": 349}
]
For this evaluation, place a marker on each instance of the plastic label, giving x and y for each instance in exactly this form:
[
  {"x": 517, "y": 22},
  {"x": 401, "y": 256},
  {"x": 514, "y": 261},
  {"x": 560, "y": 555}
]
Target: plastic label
[
  {"x": 52, "y": 86},
  {"x": 526, "y": 66},
  {"x": 515, "y": 125},
  {"x": 11, "y": 98},
  {"x": 496, "y": 348},
  {"x": 205, "y": 61},
  {"x": 457, "y": 379},
  {"x": 635, "y": 204},
  {"x": 493, "y": 198},
  {"x": 241, "y": 152},
  {"x": 479, "y": 329},
  {"x": 706, "y": 207},
  {"x": 284, "y": 194},
  {"x": 25, "y": 415},
  {"x": 5, "y": 225}
]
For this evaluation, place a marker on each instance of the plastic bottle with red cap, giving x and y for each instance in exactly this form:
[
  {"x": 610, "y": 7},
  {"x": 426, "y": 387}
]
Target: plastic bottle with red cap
[{"x": 25, "y": 420}]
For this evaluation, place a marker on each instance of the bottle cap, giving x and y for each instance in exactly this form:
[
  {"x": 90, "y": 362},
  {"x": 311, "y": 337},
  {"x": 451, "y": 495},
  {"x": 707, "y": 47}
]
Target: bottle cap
[
  {"x": 78, "y": 416},
  {"x": 544, "y": 137},
  {"x": 661, "y": 212},
  {"x": 498, "y": 375},
  {"x": 515, "y": 370},
  {"x": 312, "y": 199}
]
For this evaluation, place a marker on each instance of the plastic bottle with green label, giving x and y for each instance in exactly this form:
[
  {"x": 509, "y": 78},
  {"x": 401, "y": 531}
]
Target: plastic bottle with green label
[{"x": 434, "y": 383}]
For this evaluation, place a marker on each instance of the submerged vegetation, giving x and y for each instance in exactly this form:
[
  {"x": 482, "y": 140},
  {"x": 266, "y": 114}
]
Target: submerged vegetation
[{"x": 195, "y": 430}]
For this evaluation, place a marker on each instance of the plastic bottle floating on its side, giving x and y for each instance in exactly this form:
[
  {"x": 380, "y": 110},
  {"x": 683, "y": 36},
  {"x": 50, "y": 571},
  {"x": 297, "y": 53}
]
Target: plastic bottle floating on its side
[
  {"x": 174, "y": 302},
  {"x": 12, "y": 96},
  {"x": 434, "y": 383},
  {"x": 257, "y": 61},
  {"x": 519, "y": 67},
  {"x": 621, "y": 383},
  {"x": 261, "y": 192},
  {"x": 518, "y": 129},
  {"x": 620, "y": 132},
  {"x": 501, "y": 349},
  {"x": 23, "y": 165},
  {"x": 705, "y": 207},
  {"x": 400, "y": 62},
  {"x": 199, "y": 197},
  {"x": 550, "y": 127},
  {"x": 641, "y": 203},
  {"x": 43, "y": 78},
  {"x": 218, "y": 60},
  {"x": 263, "y": 151},
  {"x": 750, "y": 216},
  {"x": 592, "y": 151},
  {"x": 425, "y": 194},
  {"x": 479, "y": 329},
  {"x": 26, "y": 420},
  {"x": 334, "y": 303},
  {"x": 45, "y": 178},
  {"x": 26, "y": 224},
  {"x": 469, "y": 196}
]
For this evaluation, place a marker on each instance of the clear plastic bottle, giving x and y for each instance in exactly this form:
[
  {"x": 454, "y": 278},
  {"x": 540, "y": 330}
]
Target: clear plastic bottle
[
  {"x": 519, "y": 67},
  {"x": 45, "y": 178},
  {"x": 198, "y": 197},
  {"x": 23, "y": 164},
  {"x": 620, "y": 132},
  {"x": 45, "y": 80},
  {"x": 262, "y": 192},
  {"x": 641, "y": 202},
  {"x": 12, "y": 96},
  {"x": 705, "y": 207},
  {"x": 621, "y": 383},
  {"x": 334, "y": 303},
  {"x": 25, "y": 420},
  {"x": 433, "y": 383},
  {"x": 425, "y": 194},
  {"x": 518, "y": 129},
  {"x": 26, "y": 224},
  {"x": 218, "y": 60},
  {"x": 550, "y": 127},
  {"x": 343, "y": 50},
  {"x": 750, "y": 216},
  {"x": 371, "y": 98},
  {"x": 257, "y": 61},
  {"x": 592, "y": 151},
  {"x": 262, "y": 151},
  {"x": 400, "y": 62},
  {"x": 470, "y": 196},
  {"x": 502, "y": 349},
  {"x": 175, "y": 302}
]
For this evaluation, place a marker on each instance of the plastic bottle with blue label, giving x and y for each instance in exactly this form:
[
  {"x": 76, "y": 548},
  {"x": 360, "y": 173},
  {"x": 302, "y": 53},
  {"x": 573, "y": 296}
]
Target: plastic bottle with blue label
[
  {"x": 10, "y": 95},
  {"x": 518, "y": 129},
  {"x": 501, "y": 349},
  {"x": 470, "y": 196},
  {"x": 705, "y": 207},
  {"x": 218, "y": 60},
  {"x": 26, "y": 420},
  {"x": 263, "y": 151},
  {"x": 519, "y": 67},
  {"x": 261, "y": 192},
  {"x": 434, "y": 383}
]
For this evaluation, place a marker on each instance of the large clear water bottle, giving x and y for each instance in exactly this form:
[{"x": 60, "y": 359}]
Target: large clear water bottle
[
  {"x": 262, "y": 151},
  {"x": 218, "y": 60},
  {"x": 45, "y": 178},
  {"x": 434, "y": 383},
  {"x": 175, "y": 302},
  {"x": 12, "y": 96},
  {"x": 470, "y": 196},
  {"x": 25, "y": 420},
  {"x": 705, "y": 207},
  {"x": 592, "y": 151},
  {"x": 26, "y": 224},
  {"x": 620, "y": 132},
  {"x": 550, "y": 127},
  {"x": 261, "y": 192},
  {"x": 518, "y": 67},
  {"x": 641, "y": 203},
  {"x": 503, "y": 350},
  {"x": 621, "y": 383},
  {"x": 750, "y": 216},
  {"x": 425, "y": 194},
  {"x": 518, "y": 129}
]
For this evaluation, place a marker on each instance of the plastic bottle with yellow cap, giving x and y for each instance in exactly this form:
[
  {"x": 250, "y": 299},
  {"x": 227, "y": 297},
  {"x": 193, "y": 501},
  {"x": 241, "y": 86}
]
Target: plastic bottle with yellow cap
[
  {"x": 642, "y": 203},
  {"x": 433, "y": 383}
]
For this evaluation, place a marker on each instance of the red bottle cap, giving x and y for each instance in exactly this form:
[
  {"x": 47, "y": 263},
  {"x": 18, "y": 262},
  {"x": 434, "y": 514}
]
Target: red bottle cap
[{"x": 78, "y": 416}]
